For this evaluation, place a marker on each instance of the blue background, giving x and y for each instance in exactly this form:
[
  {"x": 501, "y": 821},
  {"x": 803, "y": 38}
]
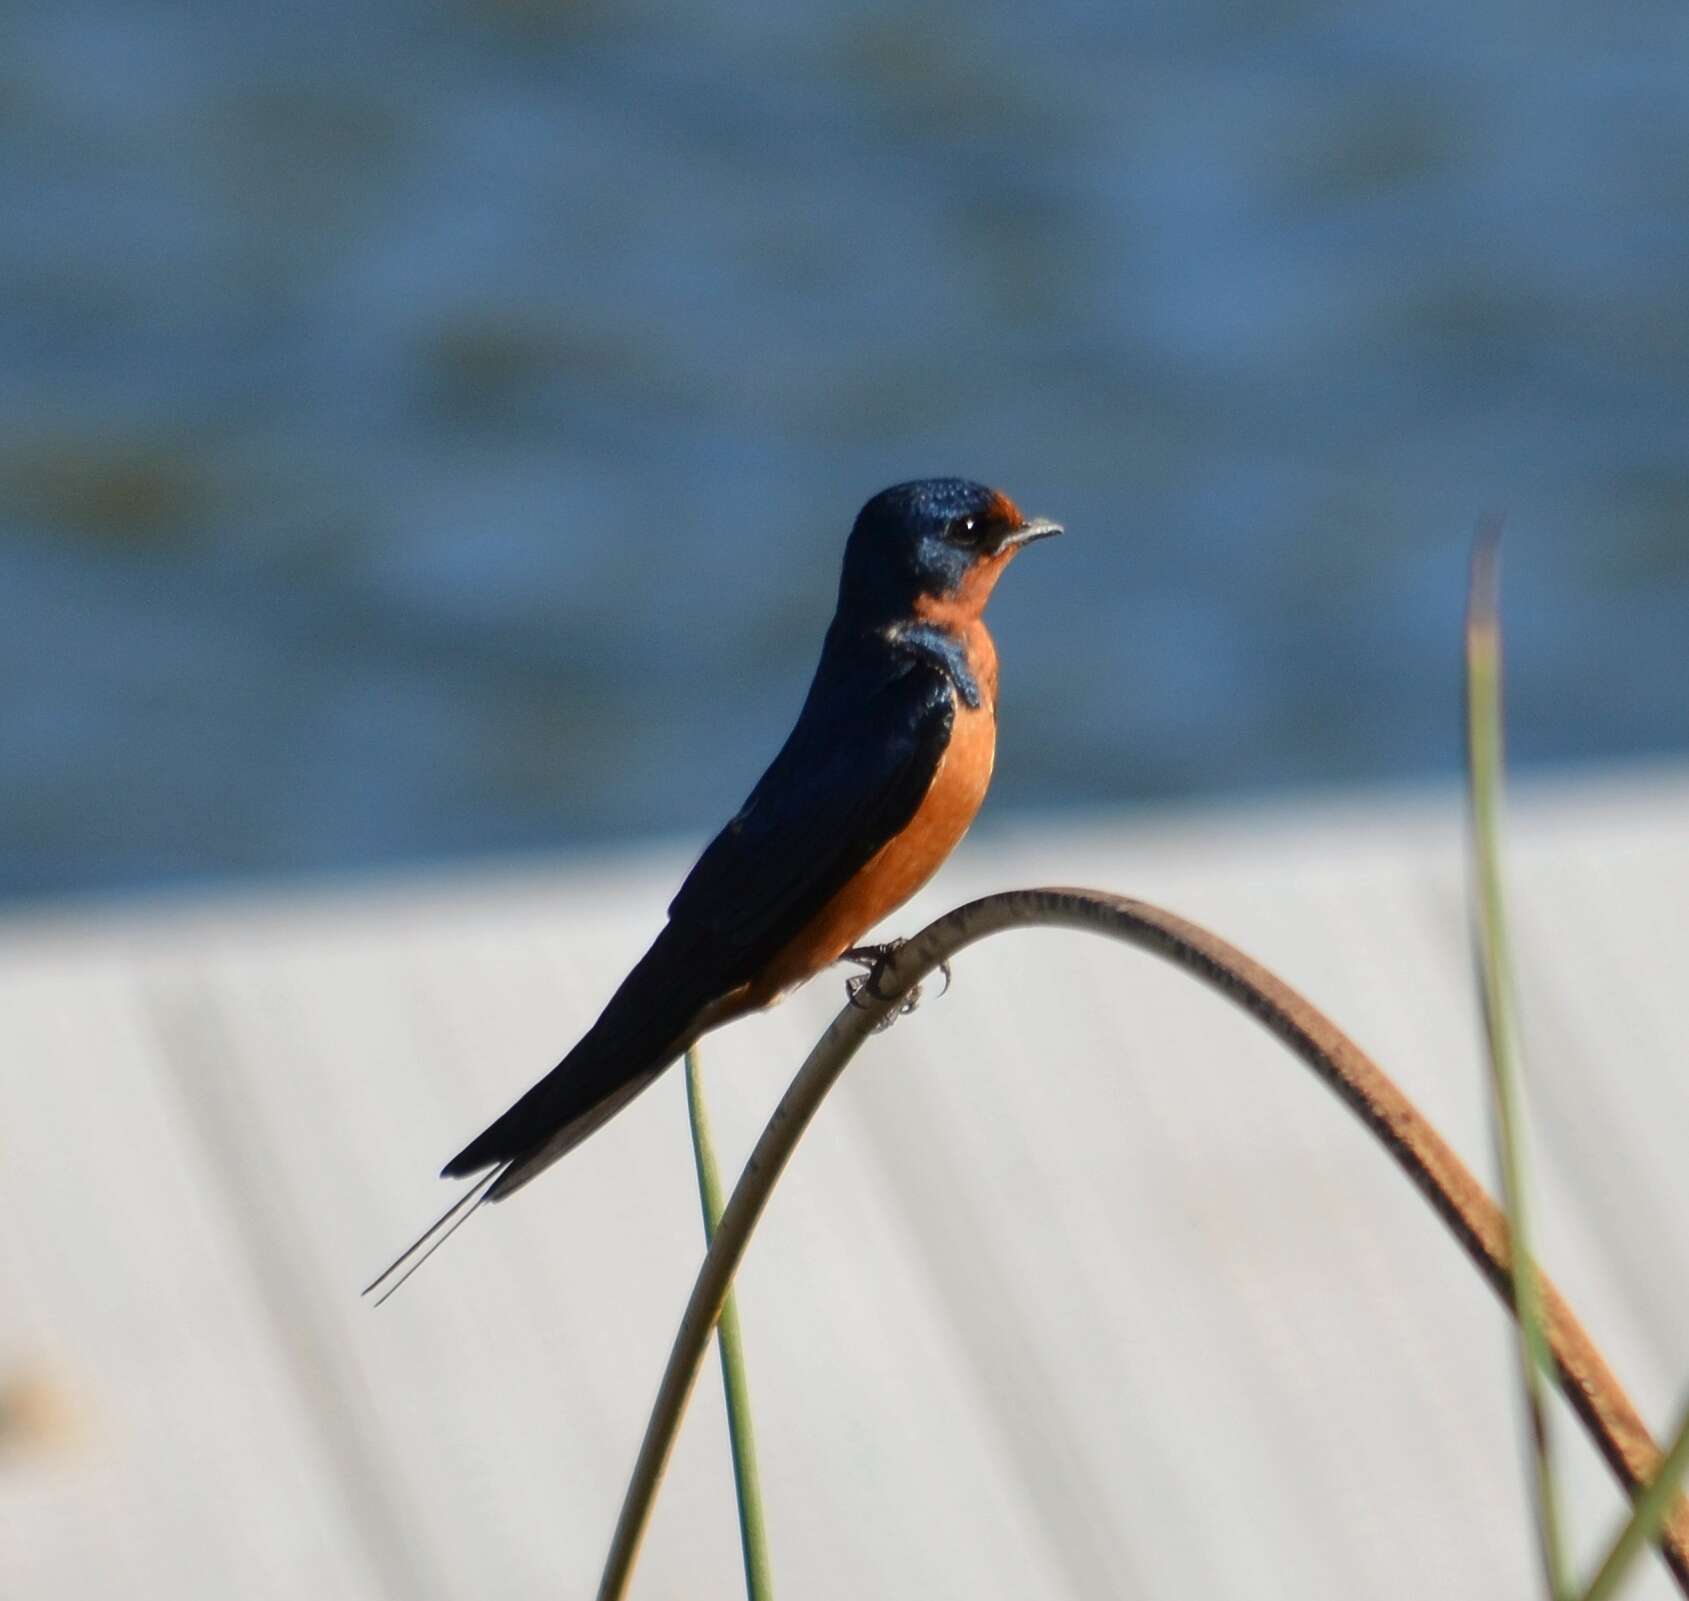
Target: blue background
[{"x": 426, "y": 431}]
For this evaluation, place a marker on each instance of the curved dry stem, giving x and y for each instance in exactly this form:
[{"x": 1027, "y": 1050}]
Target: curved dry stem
[{"x": 1457, "y": 1197}]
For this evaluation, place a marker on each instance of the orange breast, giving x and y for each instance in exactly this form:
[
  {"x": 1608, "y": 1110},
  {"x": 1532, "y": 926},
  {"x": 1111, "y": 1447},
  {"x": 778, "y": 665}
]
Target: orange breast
[{"x": 902, "y": 865}]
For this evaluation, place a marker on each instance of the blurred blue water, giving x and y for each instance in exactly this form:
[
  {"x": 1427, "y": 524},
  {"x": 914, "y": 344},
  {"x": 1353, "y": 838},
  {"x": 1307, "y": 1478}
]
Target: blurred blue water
[{"x": 434, "y": 430}]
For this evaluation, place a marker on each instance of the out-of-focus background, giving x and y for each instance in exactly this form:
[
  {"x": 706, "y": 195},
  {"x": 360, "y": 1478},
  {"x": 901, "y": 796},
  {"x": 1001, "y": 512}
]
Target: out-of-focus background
[
  {"x": 430, "y": 433},
  {"x": 427, "y": 439}
]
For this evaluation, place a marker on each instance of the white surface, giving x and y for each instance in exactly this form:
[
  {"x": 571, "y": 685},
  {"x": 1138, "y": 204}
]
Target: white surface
[{"x": 1079, "y": 1287}]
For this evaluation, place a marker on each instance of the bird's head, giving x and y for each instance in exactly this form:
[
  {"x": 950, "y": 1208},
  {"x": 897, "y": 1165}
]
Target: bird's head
[{"x": 935, "y": 546}]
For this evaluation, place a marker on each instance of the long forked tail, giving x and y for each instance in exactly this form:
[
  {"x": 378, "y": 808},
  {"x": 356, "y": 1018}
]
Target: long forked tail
[
  {"x": 432, "y": 1238},
  {"x": 512, "y": 1165},
  {"x": 658, "y": 1011},
  {"x": 509, "y": 1174}
]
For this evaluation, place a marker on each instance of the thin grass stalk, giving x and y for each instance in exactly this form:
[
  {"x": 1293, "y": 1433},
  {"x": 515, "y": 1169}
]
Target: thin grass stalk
[
  {"x": 1477, "y": 1224},
  {"x": 747, "y": 1484},
  {"x": 1495, "y": 979},
  {"x": 1645, "y": 1518}
]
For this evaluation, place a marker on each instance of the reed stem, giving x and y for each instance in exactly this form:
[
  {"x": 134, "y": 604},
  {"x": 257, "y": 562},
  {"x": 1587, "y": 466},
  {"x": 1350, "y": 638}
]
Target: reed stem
[{"x": 747, "y": 1485}]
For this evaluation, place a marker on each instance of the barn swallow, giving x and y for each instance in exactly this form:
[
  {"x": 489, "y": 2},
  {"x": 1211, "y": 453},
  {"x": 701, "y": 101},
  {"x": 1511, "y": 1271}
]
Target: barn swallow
[{"x": 882, "y": 775}]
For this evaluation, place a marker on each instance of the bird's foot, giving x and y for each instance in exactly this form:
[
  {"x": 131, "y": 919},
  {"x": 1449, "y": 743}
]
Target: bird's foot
[{"x": 874, "y": 959}]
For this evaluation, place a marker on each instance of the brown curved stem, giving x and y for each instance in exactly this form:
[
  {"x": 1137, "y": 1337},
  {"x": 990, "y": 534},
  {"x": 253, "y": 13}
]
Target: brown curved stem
[{"x": 1474, "y": 1219}]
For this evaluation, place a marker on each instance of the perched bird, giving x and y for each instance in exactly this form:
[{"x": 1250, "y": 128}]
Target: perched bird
[{"x": 880, "y": 778}]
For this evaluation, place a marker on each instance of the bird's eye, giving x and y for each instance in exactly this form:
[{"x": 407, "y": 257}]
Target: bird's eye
[{"x": 961, "y": 530}]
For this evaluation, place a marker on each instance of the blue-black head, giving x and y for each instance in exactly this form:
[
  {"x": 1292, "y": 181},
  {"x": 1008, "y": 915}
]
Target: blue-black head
[{"x": 940, "y": 541}]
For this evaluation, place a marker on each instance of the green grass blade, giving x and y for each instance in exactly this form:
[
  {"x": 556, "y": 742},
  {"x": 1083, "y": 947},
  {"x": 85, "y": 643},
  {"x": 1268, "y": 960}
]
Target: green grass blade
[
  {"x": 1484, "y": 768},
  {"x": 753, "y": 1529},
  {"x": 1645, "y": 1518}
]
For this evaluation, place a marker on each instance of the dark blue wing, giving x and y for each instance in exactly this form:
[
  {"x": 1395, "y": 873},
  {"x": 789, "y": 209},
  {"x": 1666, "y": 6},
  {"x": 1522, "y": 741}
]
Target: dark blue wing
[{"x": 855, "y": 770}]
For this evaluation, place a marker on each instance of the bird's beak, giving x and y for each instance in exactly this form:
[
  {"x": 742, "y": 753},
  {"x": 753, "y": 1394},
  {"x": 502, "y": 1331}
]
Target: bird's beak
[{"x": 1033, "y": 528}]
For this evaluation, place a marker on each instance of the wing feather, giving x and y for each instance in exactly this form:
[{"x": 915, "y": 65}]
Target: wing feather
[{"x": 855, "y": 770}]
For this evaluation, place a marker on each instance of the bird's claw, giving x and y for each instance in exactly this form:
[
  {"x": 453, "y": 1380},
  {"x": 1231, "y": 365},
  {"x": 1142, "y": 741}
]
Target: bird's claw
[
  {"x": 874, "y": 959},
  {"x": 862, "y": 992}
]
